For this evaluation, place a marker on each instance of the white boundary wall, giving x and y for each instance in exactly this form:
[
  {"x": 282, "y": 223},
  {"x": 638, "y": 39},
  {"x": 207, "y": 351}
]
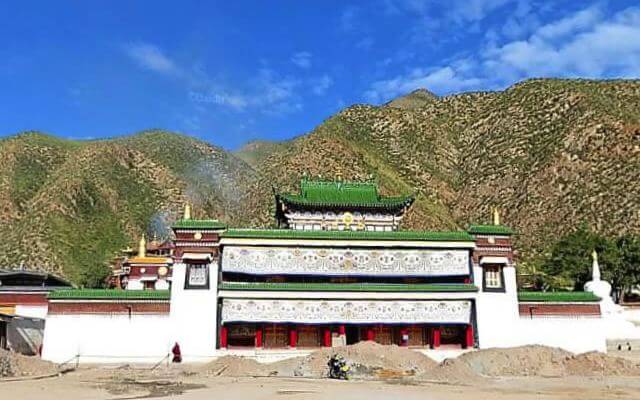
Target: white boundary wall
[
  {"x": 106, "y": 338},
  {"x": 500, "y": 325},
  {"x": 193, "y": 316}
]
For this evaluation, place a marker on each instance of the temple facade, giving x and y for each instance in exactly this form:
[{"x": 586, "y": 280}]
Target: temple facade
[{"x": 338, "y": 270}]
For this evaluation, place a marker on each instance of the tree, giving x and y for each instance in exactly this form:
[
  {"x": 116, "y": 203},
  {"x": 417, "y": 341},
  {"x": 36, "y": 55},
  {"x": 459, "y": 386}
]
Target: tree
[
  {"x": 569, "y": 259},
  {"x": 629, "y": 274}
]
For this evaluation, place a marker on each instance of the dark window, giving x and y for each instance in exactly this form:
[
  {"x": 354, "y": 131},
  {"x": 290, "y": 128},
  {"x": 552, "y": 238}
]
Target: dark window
[{"x": 197, "y": 276}]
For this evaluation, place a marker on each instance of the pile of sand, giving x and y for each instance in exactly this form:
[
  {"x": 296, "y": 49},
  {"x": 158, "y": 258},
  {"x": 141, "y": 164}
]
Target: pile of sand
[
  {"x": 541, "y": 361},
  {"x": 240, "y": 366},
  {"x": 369, "y": 360},
  {"x": 13, "y": 364}
]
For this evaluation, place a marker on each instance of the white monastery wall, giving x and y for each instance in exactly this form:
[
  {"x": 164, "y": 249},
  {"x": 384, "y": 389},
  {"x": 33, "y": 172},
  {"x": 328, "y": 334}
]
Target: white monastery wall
[
  {"x": 107, "y": 338},
  {"x": 497, "y": 312},
  {"x": 193, "y": 315},
  {"x": 576, "y": 334}
]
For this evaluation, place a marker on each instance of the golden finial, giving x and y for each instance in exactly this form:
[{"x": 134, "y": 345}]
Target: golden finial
[
  {"x": 187, "y": 211},
  {"x": 496, "y": 216},
  {"x": 142, "y": 247},
  {"x": 594, "y": 255}
]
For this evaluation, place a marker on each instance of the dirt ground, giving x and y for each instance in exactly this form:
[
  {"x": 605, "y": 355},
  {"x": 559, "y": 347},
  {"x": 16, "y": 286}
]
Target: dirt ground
[
  {"x": 379, "y": 372},
  {"x": 101, "y": 384}
]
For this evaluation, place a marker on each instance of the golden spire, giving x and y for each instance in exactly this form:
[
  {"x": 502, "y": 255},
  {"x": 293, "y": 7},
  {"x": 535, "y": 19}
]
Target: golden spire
[
  {"x": 142, "y": 247},
  {"x": 594, "y": 255},
  {"x": 496, "y": 216},
  {"x": 187, "y": 211}
]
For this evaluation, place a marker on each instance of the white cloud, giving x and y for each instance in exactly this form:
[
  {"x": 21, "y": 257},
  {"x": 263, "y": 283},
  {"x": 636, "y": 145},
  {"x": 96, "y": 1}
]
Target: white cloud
[
  {"x": 321, "y": 85},
  {"x": 442, "y": 80},
  {"x": 150, "y": 57},
  {"x": 579, "y": 21},
  {"x": 586, "y": 44},
  {"x": 268, "y": 93},
  {"x": 302, "y": 59}
]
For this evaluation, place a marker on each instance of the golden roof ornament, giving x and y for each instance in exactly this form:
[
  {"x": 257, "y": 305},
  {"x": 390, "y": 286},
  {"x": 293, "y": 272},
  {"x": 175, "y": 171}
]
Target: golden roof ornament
[
  {"x": 496, "y": 216},
  {"x": 187, "y": 211},
  {"x": 142, "y": 247}
]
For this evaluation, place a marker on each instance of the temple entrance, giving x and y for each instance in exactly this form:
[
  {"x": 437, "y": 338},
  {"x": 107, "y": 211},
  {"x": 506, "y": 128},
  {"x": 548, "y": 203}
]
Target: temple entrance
[{"x": 353, "y": 334}]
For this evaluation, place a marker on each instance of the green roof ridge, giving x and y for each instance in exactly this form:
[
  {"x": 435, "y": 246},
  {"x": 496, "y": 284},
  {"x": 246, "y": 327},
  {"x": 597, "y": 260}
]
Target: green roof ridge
[
  {"x": 456, "y": 236},
  {"x": 490, "y": 229},
  {"x": 557, "y": 297},
  {"x": 199, "y": 224},
  {"x": 348, "y": 287},
  {"x": 343, "y": 193},
  {"x": 109, "y": 294}
]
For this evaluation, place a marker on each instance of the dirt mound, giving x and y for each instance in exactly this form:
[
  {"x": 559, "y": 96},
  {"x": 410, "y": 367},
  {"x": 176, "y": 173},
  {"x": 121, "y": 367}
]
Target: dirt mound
[
  {"x": 233, "y": 366},
  {"x": 241, "y": 366},
  {"x": 601, "y": 364},
  {"x": 541, "y": 361},
  {"x": 368, "y": 360},
  {"x": 13, "y": 364}
]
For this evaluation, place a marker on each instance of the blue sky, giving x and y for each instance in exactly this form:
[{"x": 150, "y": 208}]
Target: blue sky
[{"x": 230, "y": 73}]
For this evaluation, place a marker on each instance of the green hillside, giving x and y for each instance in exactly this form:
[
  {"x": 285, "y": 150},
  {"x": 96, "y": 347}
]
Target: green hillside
[{"x": 69, "y": 206}]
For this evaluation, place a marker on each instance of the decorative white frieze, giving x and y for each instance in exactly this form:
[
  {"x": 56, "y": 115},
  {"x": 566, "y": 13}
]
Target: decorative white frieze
[
  {"x": 345, "y": 311},
  {"x": 336, "y": 261}
]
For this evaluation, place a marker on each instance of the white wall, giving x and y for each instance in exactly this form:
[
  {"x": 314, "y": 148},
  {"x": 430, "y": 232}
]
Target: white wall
[
  {"x": 194, "y": 315},
  {"x": 577, "y": 335},
  {"x": 500, "y": 324},
  {"x": 32, "y": 311},
  {"x": 106, "y": 337},
  {"x": 497, "y": 313}
]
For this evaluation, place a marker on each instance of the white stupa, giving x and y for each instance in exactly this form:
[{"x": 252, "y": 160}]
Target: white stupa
[
  {"x": 597, "y": 286},
  {"x": 616, "y": 325}
]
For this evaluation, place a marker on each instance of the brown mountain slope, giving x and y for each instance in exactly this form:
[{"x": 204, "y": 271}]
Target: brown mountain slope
[{"x": 549, "y": 153}]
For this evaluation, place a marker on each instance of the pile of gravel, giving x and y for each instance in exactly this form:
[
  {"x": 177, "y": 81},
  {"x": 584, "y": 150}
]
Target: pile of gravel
[{"x": 15, "y": 365}]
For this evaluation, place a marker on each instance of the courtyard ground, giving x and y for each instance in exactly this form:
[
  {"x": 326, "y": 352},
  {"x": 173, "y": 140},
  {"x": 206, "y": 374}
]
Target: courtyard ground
[
  {"x": 379, "y": 372},
  {"x": 98, "y": 384}
]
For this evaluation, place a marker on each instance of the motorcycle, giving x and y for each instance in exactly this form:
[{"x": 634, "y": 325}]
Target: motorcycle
[{"x": 338, "y": 368}]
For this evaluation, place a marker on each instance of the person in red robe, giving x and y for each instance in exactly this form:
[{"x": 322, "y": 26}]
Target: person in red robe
[{"x": 177, "y": 354}]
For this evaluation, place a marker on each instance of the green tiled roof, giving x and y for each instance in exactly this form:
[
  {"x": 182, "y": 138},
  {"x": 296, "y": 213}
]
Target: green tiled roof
[
  {"x": 199, "y": 224},
  {"x": 109, "y": 294},
  {"x": 490, "y": 230},
  {"x": 454, "y": 236},
  {"x": 343, "y": 194},
  {"x": 557, "y": 297},
  {"x": 347, "y": 287}
]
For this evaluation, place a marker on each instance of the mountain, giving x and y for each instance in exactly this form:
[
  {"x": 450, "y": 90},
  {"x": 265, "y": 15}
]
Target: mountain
[
  {"x": 68, "y": 206},
  {"x": 550, "y": 154},
  {"x": 256, "y": 151},
  {"x": 413, "y": 100}
]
